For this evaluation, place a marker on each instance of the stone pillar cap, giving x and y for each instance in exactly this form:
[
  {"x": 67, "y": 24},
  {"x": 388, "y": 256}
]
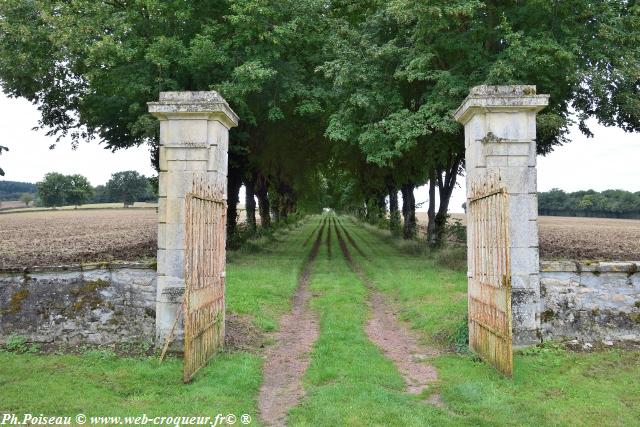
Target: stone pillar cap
[
  {"x": 194, "y": 105},
  {"x": 483, "y": 99}
]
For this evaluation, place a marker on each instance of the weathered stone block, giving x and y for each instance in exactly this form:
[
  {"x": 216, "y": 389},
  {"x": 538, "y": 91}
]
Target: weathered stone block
[
  {"x": 187, "y": 133},
  {"x": 174, "y": 262},
  {"x": 524, "y": 234},
  {"x": 520, "y": 161},
  {"x": 496, "y": 161},
  {"x": 175, "y": 210},
  {"x": 559, "y": 266},
  {"x": 524, "y": 260},
  {"x": 523, "y": 207},
  {"x": 174, "y": 236}
]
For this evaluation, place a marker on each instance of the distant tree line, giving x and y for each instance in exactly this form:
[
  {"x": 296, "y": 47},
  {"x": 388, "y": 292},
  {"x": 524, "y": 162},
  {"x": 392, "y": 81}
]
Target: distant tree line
[
  {"x": 13, "y": 190},
  {"x": 126, "y": 187},
  {"x": 605, "y": 204}
]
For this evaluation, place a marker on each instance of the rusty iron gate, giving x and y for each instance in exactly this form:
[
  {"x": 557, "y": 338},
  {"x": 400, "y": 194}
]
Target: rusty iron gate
[
  {"x": 490, "y": 334},
  {"x": 204, "y": 306}
]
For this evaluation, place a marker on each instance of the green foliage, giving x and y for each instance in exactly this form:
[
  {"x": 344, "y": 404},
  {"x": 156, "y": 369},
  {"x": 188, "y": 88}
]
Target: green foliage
[
  {"x": 57, "y": 189},
  {"x": 605, "y": 204},
  {"x": 79, "y": 190},
  {"x": 460, "y": 338},
  {"x": 18, "y": 344},
  {"x": 127, "y": 187},
  {"x": 451, "y": 256},
  {"x": 53, "y": 190},
  {"x": 455, "y": 231},
  {"x": 379, "y": 80},
  {"x": 26, "y": 198}
]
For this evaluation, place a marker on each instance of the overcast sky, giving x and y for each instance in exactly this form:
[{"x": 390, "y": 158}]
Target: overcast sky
[{"x": 610, "y": 160}]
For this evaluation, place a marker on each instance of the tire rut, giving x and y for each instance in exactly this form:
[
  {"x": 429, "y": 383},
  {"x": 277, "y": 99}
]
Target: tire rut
[
  {"x": 308, "y": 239},
  {"x": 287, "y": 360},
  {"x": 394, "y": 339},
  {"x": 330, "y": 221},
  {"x": 351, "y": 241}
]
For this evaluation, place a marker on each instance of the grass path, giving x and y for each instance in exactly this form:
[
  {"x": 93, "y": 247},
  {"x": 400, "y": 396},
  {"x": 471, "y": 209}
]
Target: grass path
[
  {"x": 349, "y": 380},
  {"x": 287, "y": 360}
]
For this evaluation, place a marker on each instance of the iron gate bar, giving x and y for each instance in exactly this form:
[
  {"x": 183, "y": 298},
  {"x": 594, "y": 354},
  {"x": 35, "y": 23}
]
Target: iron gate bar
[
  {"x": 489, "y": 304},
  {"x": 204, "y": 278}
]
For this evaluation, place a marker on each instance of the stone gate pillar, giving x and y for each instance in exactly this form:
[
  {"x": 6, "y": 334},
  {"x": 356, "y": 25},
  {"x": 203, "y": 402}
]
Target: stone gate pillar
[
  {"x": 194, "y": 135},
  {"x": 500, "y": 132}
]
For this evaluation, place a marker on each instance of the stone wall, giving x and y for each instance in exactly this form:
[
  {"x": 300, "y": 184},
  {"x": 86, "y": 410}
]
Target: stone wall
[
  {"x": 590, "y": 302},
  {"x": 83, "y": 304}
]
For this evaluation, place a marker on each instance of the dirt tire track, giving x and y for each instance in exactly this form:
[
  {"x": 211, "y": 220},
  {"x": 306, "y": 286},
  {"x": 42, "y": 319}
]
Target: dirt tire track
[
  {"x": 351, "y": 241},
  {"x": 394, "y": 339},
  {"x": 288, "y": 359},
  {"x": 329, "y": 237},
  {"x": 308, "y": 239}
]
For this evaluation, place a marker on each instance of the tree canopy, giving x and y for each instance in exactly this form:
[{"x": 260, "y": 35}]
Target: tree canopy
[
  {"x": 127, "y": 187},
  {"x": 341, "y": 101}
]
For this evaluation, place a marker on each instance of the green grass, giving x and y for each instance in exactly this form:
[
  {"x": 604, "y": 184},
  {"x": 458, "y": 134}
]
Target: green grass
[
  {"x": 558, "y": 388},
  {"x": 99, "y": 383},
  {"x": 431, "y": 298}
]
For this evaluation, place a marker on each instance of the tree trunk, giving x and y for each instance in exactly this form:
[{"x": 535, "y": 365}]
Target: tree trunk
[
  {"x": 250, "y": 203},
  {"x": 394, "y": 214},
  {"x": 446, "y": 184},
  {"x": 234, "y": 182},
  {"x": 263, "y": 204},
  {"x": 381, "y": 207},
  {"x": 431, "y": 213},
  {"x": 408, "y": 211}
]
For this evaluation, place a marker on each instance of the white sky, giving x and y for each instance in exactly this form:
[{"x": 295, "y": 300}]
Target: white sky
[
  {"x": 610, "y": 160},
  {"x": 29, "y": 157}
]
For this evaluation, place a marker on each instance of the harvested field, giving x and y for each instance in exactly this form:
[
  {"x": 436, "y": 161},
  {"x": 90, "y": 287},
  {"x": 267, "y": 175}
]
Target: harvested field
[
  {"x": 607, "y": 239},
  {"x": 590, "y": 238},
  {"x": 11, "y": 204},
  {"x": 62, "y": 237}
]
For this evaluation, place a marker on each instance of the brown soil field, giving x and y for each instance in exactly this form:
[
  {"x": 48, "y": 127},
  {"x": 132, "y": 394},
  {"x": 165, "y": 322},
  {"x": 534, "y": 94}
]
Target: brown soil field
[
  {"x": 11, "y": 204},
  {"x": 62, "y": 237},
  {"x": 606, "y": 239}
]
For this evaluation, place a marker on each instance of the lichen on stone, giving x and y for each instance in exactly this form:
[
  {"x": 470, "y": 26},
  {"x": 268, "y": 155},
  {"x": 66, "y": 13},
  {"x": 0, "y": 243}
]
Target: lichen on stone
[{"x": 15, "y": 304}]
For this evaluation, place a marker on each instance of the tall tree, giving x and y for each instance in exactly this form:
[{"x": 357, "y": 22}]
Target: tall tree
[
  {"x": 79, "y": 190},
  {"x": 53, "y": 189},
  {"x": 127, "y": 187}
]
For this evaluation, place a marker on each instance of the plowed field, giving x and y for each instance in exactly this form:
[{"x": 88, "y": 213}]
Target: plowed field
[{"x": 62, "y": 237}]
